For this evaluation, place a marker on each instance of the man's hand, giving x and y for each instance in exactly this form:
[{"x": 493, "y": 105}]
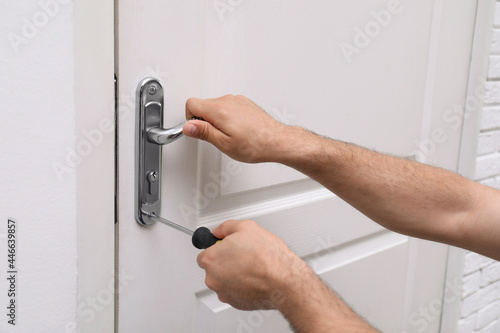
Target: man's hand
[
  {"x": 236, "y": 126},
  {"x": 250, "y": 267}
]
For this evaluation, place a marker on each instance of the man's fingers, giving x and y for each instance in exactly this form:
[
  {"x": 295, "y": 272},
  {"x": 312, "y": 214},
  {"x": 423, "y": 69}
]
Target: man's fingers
[
  {"x": 225, "y": 229},
  {"x": 201, "y": 259},
  {"x": 229, "y": 227},
  {"x": 207, "y": 109},
  {"x": 195, "y": 107}
]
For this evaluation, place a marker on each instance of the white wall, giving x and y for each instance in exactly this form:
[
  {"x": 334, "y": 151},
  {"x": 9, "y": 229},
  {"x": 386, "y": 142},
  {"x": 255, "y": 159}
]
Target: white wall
[
  {"x": 37, "y": 127},
  {"x": 480, "y": 306},
  {"x": 42, "y": 118}
]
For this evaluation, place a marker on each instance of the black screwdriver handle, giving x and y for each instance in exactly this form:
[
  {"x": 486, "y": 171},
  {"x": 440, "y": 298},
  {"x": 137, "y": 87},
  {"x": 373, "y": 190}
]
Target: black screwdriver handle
[{"x": 203, "y": 238}]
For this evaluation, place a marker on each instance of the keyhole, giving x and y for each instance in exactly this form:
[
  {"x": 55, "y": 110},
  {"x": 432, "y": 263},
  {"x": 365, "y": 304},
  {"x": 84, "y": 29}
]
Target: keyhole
[{"x": 153, "y": 182}]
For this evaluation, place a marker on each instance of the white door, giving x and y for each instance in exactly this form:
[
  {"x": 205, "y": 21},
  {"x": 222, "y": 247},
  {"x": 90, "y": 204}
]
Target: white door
[{"x": 381, "y": 74}]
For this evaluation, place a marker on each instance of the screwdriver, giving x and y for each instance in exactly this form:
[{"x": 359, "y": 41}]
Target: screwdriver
[{"x": 202, "y": 238}]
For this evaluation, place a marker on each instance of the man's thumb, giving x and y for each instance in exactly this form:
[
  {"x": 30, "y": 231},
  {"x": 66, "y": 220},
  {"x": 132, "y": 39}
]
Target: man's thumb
[
  {"x": 226, "y": 228},
  {"x": 197, "y": 129}
]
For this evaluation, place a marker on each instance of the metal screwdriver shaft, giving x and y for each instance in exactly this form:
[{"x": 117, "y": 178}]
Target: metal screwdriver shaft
[
  {"x": 170, "y": 224},
  {"x": 202, "y": 238}
]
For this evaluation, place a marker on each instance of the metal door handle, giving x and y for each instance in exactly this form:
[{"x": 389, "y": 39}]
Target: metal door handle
[
  {"x": 150, "y": 135},
  {"x": 164, "y": 136}
]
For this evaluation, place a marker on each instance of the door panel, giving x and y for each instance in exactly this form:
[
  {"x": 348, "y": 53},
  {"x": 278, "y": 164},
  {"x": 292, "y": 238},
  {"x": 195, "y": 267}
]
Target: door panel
[{"x": 287, "y": 56}]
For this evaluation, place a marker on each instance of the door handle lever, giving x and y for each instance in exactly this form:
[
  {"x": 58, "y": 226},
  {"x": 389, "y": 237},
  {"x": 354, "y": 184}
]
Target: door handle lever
[{"x": 164, "y": 136}]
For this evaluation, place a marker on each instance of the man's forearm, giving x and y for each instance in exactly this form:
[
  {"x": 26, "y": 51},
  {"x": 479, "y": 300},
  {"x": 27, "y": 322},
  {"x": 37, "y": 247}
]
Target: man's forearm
[
  {"x": 311, "y": 307},
  {"x": 402, "y": 195}
]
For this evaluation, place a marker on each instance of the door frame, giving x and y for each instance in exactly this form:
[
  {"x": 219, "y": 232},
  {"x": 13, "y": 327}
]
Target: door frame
[
  {"x": 94, "y": 68},
  {"x": 468, "y": 150}
]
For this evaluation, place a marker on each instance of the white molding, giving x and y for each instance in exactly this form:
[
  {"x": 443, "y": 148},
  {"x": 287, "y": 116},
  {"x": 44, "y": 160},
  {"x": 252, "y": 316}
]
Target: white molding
[
  {"x": 478, "y": 69},
  {"x": 94, "y": 102},
  {"x": 348, "y": 225},
  {"x": 431, "y": 72},
  {"x": 271, "y": 206}
]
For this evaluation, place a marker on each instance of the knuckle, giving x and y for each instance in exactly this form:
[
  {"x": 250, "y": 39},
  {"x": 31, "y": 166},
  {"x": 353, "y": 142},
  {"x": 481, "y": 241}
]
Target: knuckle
[
  {"x": 199, "y": 260},
  {"x": 223, "y": 100},
  {"x": 205, "y": 261},
  {"x": 211, "y": 283},
  {"x": 190, "y": 102},
  {"x": 223, "y": 298},
  {"x": 240, "y": 98},
  {"x": 238, "y": 223},
  {"x": 222, "y": 109},
  {"x": 250, "y": 224},
  {"x": 204, "y": 132}
]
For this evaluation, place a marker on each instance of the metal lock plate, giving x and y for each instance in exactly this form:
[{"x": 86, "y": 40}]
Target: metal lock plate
[
  {"x": 150, "y": 136},
  {"x": 148, "y": 153}
]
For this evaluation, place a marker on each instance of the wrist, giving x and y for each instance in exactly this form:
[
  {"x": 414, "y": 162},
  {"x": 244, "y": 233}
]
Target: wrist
[
  {"x": 293, "y": 286},
  {"x": 303, "y": 299},
  {"x": 311, "y": 306},
  {"x": 296, "y": 147}
]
